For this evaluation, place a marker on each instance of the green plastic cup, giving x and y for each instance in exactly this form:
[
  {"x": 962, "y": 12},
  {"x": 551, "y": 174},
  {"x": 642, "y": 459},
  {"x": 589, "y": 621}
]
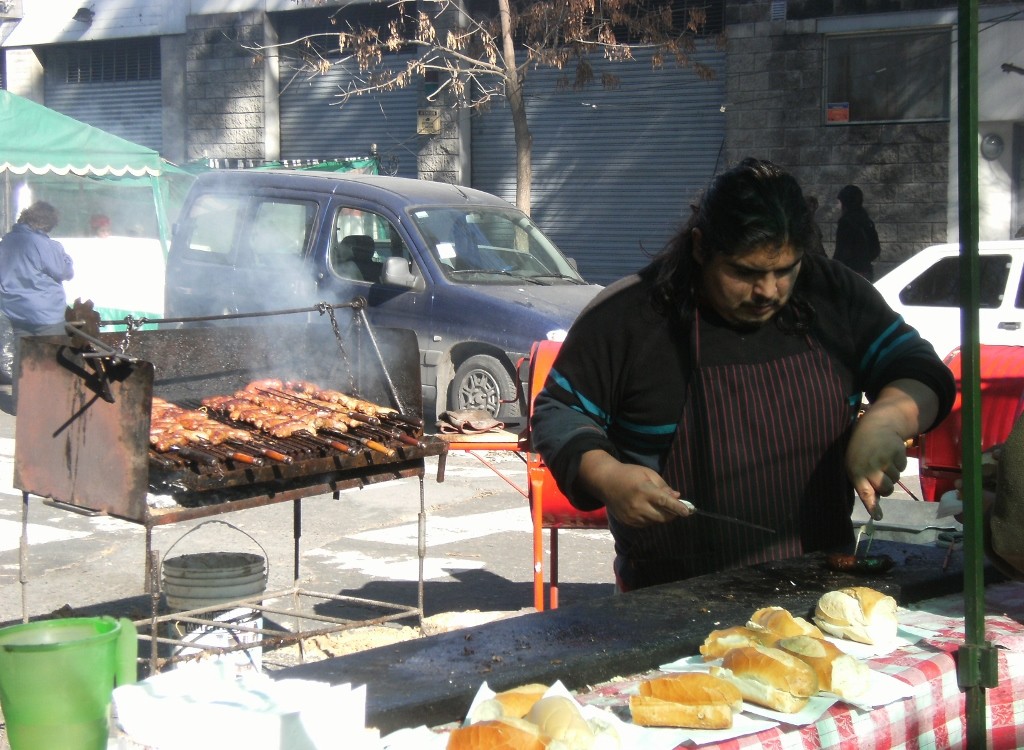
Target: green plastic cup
[{"x": 57, "y": 677}]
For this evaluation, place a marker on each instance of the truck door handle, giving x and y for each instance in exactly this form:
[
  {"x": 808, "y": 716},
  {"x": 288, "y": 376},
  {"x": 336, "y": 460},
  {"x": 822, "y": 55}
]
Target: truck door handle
[{"x": 1009, "y": 326}]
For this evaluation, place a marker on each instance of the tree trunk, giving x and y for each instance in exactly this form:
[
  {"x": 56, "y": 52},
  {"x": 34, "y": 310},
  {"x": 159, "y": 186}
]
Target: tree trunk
[{"x": 517, "y": 105}]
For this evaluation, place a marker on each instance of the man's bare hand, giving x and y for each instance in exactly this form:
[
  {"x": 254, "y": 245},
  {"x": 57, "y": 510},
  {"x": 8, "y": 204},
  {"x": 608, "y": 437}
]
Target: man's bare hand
[{"x": 634, "y": 495}]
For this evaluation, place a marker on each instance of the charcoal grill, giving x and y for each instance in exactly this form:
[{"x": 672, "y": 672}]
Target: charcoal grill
[{"x": 84, "y": 404}]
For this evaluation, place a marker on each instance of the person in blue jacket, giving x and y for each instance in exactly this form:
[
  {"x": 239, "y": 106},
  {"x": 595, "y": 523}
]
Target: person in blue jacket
[{"x": 33, "y": 269}]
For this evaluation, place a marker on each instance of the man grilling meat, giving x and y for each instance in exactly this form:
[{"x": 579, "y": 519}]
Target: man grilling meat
[{"x": 729, "y": 373}]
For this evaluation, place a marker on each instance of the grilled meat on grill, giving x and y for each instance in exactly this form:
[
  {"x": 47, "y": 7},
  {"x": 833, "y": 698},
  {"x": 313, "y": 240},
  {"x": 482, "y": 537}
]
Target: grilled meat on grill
[{"x": 173, "y": 426}]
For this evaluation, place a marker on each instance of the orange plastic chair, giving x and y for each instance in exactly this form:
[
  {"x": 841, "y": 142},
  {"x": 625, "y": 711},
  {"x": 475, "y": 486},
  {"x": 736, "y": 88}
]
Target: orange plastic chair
[
  {"x": 1002, "y": 399},
  {"x": 549, "y": 507}
]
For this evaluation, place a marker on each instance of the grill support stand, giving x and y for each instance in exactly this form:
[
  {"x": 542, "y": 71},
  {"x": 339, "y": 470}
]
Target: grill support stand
[{"x": 153, "y": 586}]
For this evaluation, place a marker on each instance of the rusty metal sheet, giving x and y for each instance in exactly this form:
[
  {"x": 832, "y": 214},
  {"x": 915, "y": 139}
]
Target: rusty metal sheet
[{"x": 73, "y": 445}]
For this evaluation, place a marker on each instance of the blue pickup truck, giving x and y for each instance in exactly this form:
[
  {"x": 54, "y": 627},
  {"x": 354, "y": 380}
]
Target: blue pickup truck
[{"x": 472, "y": 275}]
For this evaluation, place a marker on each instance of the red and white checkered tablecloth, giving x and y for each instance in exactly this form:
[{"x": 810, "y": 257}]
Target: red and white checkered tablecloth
[{"x": 934, "y": 718}]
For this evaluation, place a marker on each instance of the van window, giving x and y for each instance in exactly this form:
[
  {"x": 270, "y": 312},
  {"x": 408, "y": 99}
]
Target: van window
[
  {"x": 939, "y": 285},
  {"x": 279, "y": 231},
  {"x": 209, "y": 229},
  {"x": 360, "y": 243},
  {"x": 491, "y": 245}
]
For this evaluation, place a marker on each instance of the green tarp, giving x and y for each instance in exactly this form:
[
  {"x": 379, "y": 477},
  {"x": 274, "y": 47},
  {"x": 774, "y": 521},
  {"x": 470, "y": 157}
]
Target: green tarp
[
  {"x": 83, "y": 171},
  {"x": 36, "y": 139}
]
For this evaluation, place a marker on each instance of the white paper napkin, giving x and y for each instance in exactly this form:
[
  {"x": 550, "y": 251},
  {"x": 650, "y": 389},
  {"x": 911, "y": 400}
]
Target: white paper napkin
[
  {"x": 904, "y": 637},
  {"x": 816, "y": 706},
  {"x": 883, "y": 689},
  {"x": 209, "y": 705}
]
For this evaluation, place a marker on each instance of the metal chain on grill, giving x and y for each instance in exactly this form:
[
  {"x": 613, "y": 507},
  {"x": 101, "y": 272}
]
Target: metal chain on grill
[
  {"x": 132, "y": 324},
  {"x": 324, "y": 308}
]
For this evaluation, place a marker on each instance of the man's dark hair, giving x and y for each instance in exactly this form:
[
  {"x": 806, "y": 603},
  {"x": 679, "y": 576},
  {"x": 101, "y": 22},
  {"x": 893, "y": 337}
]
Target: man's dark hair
[
  {"x": 753, "y": 205},
  {"x": 40, "y": 215}
]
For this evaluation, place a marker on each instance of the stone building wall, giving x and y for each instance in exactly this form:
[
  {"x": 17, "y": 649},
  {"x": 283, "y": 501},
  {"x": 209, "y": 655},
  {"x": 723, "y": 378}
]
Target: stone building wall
[
  {"x": 774, "y": 110},
  {"x": 224, "y": 87},
  {"x": 444, "y": 157}
]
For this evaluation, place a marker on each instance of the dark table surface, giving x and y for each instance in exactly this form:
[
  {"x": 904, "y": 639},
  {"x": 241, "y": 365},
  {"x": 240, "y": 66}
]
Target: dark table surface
[{"x": 433, "y": 680}]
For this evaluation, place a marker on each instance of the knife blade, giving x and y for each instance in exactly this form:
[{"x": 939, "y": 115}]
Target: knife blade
[
  {"x": 731, "y": 519},
  {"x": 727, "y": 519}
]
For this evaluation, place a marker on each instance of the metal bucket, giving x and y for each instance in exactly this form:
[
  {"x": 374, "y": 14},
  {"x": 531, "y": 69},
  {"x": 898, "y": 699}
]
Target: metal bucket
[{"x": 205, "y": 581}]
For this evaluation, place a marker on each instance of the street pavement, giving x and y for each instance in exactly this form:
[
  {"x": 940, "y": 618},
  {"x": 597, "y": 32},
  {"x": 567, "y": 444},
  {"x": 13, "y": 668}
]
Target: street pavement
[{"x": 479, "y": 553}]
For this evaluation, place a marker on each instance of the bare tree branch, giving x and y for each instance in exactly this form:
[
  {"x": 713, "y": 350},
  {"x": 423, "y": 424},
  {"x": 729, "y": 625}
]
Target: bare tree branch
[{"x": 474, "y": 55}]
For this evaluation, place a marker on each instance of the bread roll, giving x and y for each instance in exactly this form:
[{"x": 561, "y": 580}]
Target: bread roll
[
  {"x": 720, "y": 641},
  {"x": 769, "y": 677},
  {"x": 517, "y": 702},
  {"x": 559, "y": 718},
  {"x": 500, "y": 734},
  {"x": 838, "y": 673},
  {"x": 858, "y": 614},
  {"x": 693, "y": 689},
  {"x": 648, "y": 711},
  {"x": 781, "y": 622}
]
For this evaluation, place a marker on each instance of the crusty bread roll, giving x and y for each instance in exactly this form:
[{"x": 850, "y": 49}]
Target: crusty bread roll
[
  {"x": 782, "y": 622},
  {"x": 769, "y": 677},
  {"x": 858, "y": 614},
  {"x": 720, "y": 641},
  {"x": 499, "y": 734},
  {"x": 693, "y": 689},
  {"x": 648, "y": 711},
  {"x": 838, "y": 673},
  {"x": 517, "y": 701},
  {"x": 559, "y": 718}
]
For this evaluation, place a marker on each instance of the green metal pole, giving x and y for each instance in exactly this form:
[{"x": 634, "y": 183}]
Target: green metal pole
[{"x": 976, "y": 662}]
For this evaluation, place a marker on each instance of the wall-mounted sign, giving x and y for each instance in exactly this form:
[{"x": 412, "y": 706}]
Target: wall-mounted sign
[
  {"x": 428, "y": 121},
  {"x": 838, "y": 112}
]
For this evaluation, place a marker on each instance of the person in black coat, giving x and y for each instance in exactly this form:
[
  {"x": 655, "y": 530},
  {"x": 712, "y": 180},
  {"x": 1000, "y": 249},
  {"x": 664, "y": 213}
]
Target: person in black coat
[
  {"x": 729, "y": 372},
  {"x": 857, "y": 243}
]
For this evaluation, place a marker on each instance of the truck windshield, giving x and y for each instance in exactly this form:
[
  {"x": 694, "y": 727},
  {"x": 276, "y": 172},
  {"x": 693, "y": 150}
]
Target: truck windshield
[{"x": 492, "y": 246}]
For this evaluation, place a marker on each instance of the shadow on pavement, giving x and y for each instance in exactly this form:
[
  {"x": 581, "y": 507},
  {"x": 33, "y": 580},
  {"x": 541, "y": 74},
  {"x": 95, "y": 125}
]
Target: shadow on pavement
[{"x": 473, "y": 590}]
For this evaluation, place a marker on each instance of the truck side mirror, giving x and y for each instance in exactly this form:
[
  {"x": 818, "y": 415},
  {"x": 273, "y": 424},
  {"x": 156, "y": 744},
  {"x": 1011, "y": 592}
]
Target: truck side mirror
[{"x": 397, "y": 273}]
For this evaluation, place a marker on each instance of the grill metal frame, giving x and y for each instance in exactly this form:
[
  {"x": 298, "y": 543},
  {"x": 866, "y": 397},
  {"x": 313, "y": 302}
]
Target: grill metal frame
[{"x": 82, "y": 434}]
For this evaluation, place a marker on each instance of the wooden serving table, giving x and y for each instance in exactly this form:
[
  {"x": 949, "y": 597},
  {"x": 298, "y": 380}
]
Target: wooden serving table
[{"x": 432, "y": 680}]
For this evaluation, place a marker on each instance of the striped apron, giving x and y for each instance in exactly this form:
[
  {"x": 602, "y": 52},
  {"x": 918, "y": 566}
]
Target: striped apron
[{"x": 762, "y": 442}]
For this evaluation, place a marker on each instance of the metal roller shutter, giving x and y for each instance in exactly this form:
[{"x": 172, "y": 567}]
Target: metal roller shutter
[
  {"x": 614, "y": 171},
  {"x": 132, "y": 110},
  {"x": 315, "y": 126},
  {"x": 113, "y": 86}
]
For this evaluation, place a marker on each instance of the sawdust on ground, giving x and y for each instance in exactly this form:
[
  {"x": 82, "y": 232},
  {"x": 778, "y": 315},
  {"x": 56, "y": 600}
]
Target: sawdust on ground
[{"x": 331, "y": 645}]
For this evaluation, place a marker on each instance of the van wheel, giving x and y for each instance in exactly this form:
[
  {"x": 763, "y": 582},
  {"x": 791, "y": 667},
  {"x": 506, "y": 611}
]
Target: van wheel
[{"x": 481, "y": 382}]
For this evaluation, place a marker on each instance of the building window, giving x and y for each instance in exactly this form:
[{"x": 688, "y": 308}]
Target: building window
[
  {"x": 105, "y": 62},
  {"x": 888, "y": 77}
]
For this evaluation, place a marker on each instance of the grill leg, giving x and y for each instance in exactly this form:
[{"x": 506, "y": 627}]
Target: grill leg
[
  {"x": 422, "y": 544},
  {"x": 23, "y": 557},
  {"x": 296, "y": 535}
]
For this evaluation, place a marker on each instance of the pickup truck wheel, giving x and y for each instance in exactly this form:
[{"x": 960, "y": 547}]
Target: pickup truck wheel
[{"x": 481, "y": 382}]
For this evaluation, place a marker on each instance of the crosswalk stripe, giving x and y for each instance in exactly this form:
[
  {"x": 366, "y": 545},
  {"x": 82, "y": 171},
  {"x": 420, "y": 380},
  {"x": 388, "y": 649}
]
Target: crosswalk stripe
[{"x": 10, "y": 534}]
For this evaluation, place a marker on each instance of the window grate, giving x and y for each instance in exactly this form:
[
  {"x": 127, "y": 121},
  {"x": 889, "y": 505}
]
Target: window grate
[{"x": 107, "y": 62}]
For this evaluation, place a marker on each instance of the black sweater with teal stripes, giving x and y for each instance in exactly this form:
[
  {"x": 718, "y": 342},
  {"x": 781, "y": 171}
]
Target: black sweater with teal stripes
[{"x": 621, "y": 377}]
